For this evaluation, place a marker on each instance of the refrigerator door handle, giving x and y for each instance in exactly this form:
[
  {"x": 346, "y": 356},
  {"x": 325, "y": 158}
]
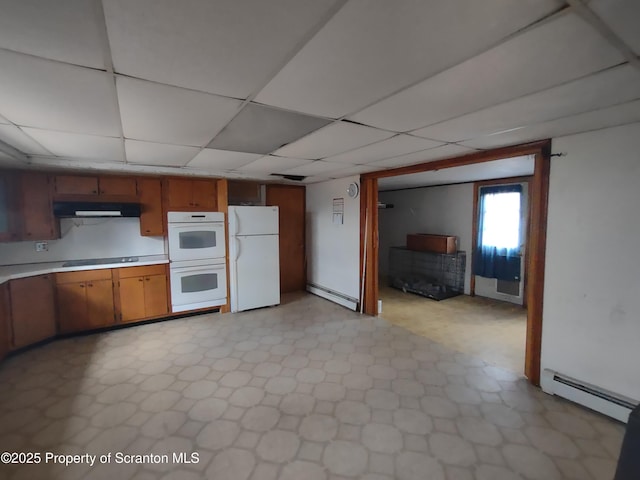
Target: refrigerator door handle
[
  {"x": 236, "y": 226},
  {"x": 237, "y": 248}
]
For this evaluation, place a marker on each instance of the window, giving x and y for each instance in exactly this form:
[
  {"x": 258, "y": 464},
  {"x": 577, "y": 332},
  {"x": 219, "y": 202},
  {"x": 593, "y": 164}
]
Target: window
[{"x": 498, "y": 243}]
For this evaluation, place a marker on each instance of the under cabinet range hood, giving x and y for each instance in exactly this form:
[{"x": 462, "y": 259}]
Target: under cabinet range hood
[{"x": 95, "y": 209}]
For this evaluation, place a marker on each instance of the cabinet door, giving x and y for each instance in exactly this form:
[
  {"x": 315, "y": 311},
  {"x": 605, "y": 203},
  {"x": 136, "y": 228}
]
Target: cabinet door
[
  {"x": 74, "y": 185},
  {"x": 8, "y": 209},
  {"x": 32, "y": 310},
  {"x": 38, "y": 222},
  {"x": 72, "y": 306},
  {"x": 179, "y": 194},
  {"x": 150, "y": 195},
  {"x": 99, "y": 304},
  {"x": 204, "y": 195},
  {"x": 5, "y": 321},
  {"x": 155, "y": 295},
  {"x": 122, "y": 186},
  {"x": 132, "y": 305}
]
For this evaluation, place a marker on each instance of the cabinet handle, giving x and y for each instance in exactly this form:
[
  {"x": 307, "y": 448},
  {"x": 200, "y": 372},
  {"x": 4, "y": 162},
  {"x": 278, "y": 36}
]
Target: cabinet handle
[
  {"x": 147, "y": 279},
  {"x": 94, "y": 191},
  {"x": 82, "y": 285},
  {"x": 140, "y": 279},
  {"x": 90, "y": 285}
]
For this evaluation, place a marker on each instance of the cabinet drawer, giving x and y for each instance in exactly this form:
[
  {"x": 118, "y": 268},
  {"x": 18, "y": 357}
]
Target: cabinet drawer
[
  {"x": 142, "y": 271},
  {"x": 83, "y": 276}
]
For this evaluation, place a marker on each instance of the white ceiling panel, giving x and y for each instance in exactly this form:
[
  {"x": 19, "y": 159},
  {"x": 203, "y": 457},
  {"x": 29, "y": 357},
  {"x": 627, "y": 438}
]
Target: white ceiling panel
[
  {"x": 355, "y": 170},
  {"x": 19, "y": 140},
  {"x": 317, "y": 167},
  {"x": 211, "y": 159},
  {"x": 3, "y": 120},
  {"x": 54, "y": 96},
  {"x": 622, "y": 17},
  {"x": 149, "y": 153},
  {"x": 74, "y": 145},
  {"x": 333, "y": 139},
  {"x": 370, "y": 49},
  {"x": 597, "y": 119},
  {"x": 438, "y": 153},
  {"x": 509, "y": 167},
  {"x": 67, "y": 31},
  {"x": 273, "y": 164},
  {"x": 161, "y": 113},
  {"x": 557, "y": 51},
  {"x": 315, "y": 179},
  {"x": 228, "y": 47},
  {"x": 610, "y": 87},
  {"x": 392, "y": 147}
]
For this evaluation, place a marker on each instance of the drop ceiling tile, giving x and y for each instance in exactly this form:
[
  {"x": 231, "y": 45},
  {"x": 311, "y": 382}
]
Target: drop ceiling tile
[
  {"x": 438, "y": 153},
  {"x": 226, "y": 47},
  {"x": 333, "y": 139},
  {"x": 260, "y": 129},
  {"x": 54, "y": 96},
  {"x": 355, "y": 170},
  {"x": 622, "y": 17},
  {"x": 562, "y": 49},
  {"x": 161, "y": 113},
  {"x": 3, "y": 120},
  {"x": 611, "y": 87},
  {"x": 315, "y": 179},
  {"x": 149, "y": 153},
  {"x": 66, "y": 31},
  {"x": 74, "y": 145},
  {"x": 372, "y": 49},
  {"x": 19, "y": 140},
  {"x": 584, "y": 122},
  {"x": 272, "y": 164},
  {"x": 317, "y": 167},
  {"x": 211, "y": 159},
  {"x": 392, "y": 147}
]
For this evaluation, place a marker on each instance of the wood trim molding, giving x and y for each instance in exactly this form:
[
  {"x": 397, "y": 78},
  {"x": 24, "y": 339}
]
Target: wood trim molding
[
  {"x": 369, "y": 230},
  {"x": 223, "y": 206}
]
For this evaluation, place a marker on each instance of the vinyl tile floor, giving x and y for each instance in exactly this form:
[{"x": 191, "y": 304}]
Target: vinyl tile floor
[
  {"x": 304, "y": 391},
  {"x": 488, "y": 329}
]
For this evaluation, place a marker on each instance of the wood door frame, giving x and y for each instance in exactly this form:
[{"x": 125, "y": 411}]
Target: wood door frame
[{"x": 536, "y": 242}]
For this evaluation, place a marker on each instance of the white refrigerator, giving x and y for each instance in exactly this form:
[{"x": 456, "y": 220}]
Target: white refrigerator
[{"x": 254, "y": 258}]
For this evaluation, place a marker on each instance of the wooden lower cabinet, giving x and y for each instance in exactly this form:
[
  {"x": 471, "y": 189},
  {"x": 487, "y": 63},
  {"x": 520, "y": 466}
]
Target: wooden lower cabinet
[
  {"x": 85, "y": 300},
  {"x": 5, "y": 321},
  {"x": 143, "y": 292},
  {"x": 32, "y": 310}
]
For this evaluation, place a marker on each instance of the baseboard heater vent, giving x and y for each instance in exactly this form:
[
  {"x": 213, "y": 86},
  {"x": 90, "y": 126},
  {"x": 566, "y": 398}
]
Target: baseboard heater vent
[
  {"x": 336, "y": 297},
  {"x": 603, "y": 401}
]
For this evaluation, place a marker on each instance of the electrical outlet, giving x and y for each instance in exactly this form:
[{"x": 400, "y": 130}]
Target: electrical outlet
[{"x": 42, "y": 246}]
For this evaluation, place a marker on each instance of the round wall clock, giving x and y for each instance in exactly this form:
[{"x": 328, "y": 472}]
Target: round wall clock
[{"x": 353, "y": 190}]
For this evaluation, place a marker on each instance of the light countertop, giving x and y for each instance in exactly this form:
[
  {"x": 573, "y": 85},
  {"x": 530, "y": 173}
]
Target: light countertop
[{"x": 11, "y": 272}]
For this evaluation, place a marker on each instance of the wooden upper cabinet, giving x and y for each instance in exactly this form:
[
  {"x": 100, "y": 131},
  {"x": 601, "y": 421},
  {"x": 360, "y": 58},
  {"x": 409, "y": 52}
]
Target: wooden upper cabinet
[
  {"x": 37, "y": 219},
  {"x": 191, "y": 195},
  {"x": 32, "y": 310},
  {"x": 117, "y": 186},
  {"x": 150, "y": 196},
  {"x": 75, "y": 185},
  {"x": 9, "y": 214}
]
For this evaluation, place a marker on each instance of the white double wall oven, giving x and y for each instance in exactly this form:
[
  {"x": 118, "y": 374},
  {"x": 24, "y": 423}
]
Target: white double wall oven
[{"x": 197, "y": 266}]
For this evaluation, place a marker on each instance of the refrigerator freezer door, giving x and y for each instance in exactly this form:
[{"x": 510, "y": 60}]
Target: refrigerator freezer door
[
  {"x": 253, "y": 221},
  {"x": 255, "y": 272}
]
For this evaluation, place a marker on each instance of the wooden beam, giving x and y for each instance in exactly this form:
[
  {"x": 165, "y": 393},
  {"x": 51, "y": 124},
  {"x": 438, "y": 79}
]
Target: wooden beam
[
  {"x": 369, "y": 224},
  {"x": 222, "y": 191}
]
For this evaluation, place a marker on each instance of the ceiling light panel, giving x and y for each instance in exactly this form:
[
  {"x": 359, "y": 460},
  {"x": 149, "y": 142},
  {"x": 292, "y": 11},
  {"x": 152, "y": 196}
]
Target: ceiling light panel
[
  {"x": 438, "y": 153},
  {"x": 333, "y": 139},
  {"x": 611, "y": 87},
  {"x": 584, "y": 122},
  {"x": 148, "y": 153},
  {"x": 54, "y": 96},
  {"x": 20, "y": 141},
  {"x": 260, "y": 129},
  {"x": 371, "y": 49},
  {"x": 228, "y": 47},
  {"x": 622, "y": 17},
  {"x": 392, "y": 147},
  {"x": 74, "y": 145},
  {"x": 210, "y": 159},
  {"x": 66, "y": 31},
  {"x": 161, "y": 113},
  {"x": 317, "y": 167},
  {"x": 273, "y": 164},
  {"x": 557, "y": 51}
]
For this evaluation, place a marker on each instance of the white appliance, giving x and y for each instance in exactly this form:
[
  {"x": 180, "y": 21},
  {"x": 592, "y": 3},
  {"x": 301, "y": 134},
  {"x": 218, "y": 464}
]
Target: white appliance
[
  {"x": 197, "y": 268},
  {"x": 254, "y": 259}
]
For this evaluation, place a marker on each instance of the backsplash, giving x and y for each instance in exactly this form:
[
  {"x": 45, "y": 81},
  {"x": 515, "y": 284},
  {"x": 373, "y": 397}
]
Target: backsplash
[{"x": 87, "y": 238}]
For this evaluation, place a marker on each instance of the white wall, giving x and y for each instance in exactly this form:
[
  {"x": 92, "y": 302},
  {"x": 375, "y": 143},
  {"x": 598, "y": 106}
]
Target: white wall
[
  {"x": 446, "y": 210},
  {"x": 87, "y": 238},
  {"x": 591, "y": 320},
  {"x": 333, "y": 251}
]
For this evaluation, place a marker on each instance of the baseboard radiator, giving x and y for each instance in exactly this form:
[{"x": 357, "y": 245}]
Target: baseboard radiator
[
  {"x": 608, "y": 403},
  {"x": 336, "y": 297}
]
